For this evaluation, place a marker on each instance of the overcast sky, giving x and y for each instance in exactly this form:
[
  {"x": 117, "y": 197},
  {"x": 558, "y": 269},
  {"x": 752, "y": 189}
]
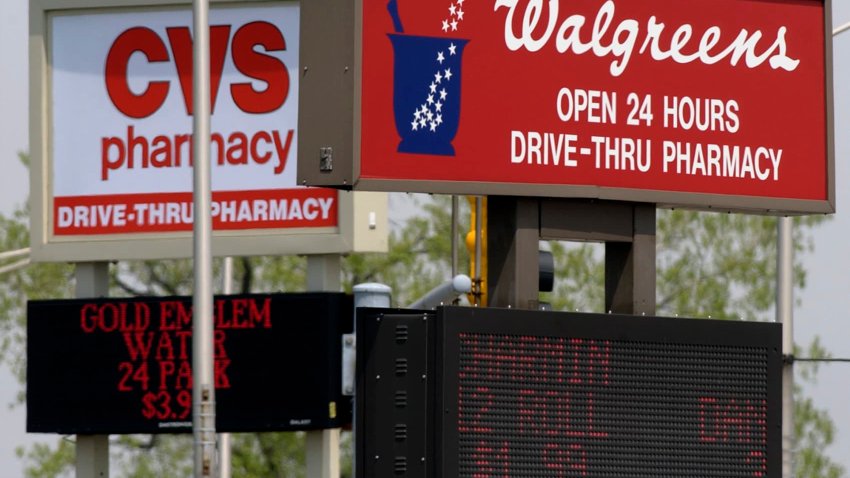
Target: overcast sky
[{"x": 825, "y": 303}]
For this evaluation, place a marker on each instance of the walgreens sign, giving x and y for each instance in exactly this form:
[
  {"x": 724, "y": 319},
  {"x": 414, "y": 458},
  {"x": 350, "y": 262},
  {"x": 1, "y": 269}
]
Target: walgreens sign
[
  {"x": 706, "y": 103},
  {"x": 121, "y": 122}
]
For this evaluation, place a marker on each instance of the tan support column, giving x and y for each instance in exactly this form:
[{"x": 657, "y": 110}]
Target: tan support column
[
  {"x": 323, "y": 274},
  {"x": 92, "y": 460}
]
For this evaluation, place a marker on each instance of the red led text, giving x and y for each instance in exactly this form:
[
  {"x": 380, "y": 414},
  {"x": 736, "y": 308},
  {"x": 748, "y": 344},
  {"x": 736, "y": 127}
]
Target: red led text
[{"x": 157, "y": 337}]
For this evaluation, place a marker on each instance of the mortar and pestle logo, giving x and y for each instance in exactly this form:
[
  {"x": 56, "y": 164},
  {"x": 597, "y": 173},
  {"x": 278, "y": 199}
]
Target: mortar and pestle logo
[{"x": 426, "y": 86}]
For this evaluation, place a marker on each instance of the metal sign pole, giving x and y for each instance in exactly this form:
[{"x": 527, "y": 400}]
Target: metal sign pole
[
  {"x": 479, "y": 233},
  {"x": 323, "y": 274},
  {"x": 92, "y": 451},
  {"x": 224, "y": 440},
  {"x": 785, "y": 316},
  {"x": 203, "y": 389},
  {"x": 455, "y": 208},
  {"x": 513, "y": 237}
]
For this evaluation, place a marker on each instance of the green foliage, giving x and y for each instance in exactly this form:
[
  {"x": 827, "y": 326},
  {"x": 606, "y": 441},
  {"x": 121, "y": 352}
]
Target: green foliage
[
  {"x": 722, "y": 265},
  {"x": 49, "y": 462},
  {"x": 39, "y": 281},
  {"x": 708, "y": 264},
  {"x": 579, "y": 278},
  {"x": 152, "y": 456},
  {"x": 813, "y": 428},
  {"x": 275, "y": 455}
]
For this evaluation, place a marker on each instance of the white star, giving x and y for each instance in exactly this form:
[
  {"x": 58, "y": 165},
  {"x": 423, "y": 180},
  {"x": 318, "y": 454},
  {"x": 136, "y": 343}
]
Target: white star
[
  {"x": 415, "y": 125},
  {"x": 441, "y": 57},
  {"x": 424, "y": 108},
  {"x": 443, "y": 94},
  {"x": 445, "y": 25},
  {"x": 454, "y": 25},
  {"x": 439, "y": 119},
  {"x": 460, "y": 14},
  {"x": 448, "y": 74},
  {"x": 452, "y": 49},
  {"x": 430, "y": 116},
  {"x": 417, "y": 114},
  {"x": 438, "y": 77},
  {"x": 460, "y": 2},
  {"x": 439, "y": 106},
  {"x": 433, "y": 126},
  {"x": 422, "y": 122},
  {"x": 433, "y": 87},
  {"x": 453, "y": 9},
  {"x": 430, "y": 99}
]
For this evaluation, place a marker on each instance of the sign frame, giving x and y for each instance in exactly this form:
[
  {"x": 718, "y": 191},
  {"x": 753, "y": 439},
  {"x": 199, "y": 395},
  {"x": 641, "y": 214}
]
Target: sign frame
[
  {"x": 362, "y": 217},
  {"x": 346, "y": 170}
]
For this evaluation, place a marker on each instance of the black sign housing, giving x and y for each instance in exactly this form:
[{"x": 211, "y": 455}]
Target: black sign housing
[
  {"x": 467, "y": 392},
  {"x": 113, "y": 366}
]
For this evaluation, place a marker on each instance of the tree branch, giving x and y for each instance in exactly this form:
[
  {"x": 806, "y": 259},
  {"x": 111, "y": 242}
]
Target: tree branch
[{"x": 126, "y": 287}]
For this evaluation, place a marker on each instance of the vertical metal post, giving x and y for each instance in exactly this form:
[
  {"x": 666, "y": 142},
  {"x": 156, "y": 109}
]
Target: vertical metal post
[
  {"x": 323, "y": 274},
  {"x": 479, "y": 209},
  {"x": 92, "y": 451},
  {"x": 224, "y": 443},
  {"x": 630, "y": 266},
  {"x": 224, "y": 449},
  {"x": 785, "y": 316},
  {"x": 203, "y": 386},
  {"x": 628, "y": 230},
  {"x": 513, "y": 239},
  {"x": 454, "y": 235}
]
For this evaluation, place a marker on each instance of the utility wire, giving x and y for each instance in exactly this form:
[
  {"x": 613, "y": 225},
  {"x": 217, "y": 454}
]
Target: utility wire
[{"x": 841, "y": 360}]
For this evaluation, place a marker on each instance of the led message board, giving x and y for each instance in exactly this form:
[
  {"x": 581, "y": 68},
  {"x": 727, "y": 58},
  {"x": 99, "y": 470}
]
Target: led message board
[
  {"x": 508, "y": 393},
  {"x": 100, "y": 366},
  {"x": 707, "y": 103}
]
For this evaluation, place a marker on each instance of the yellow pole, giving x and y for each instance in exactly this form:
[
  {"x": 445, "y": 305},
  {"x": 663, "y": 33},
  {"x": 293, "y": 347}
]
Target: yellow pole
[{"x": 477, "y": 250}]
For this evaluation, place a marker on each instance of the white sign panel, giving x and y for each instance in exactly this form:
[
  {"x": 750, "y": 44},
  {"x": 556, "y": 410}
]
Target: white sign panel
[{"x": 119, "y": 115}]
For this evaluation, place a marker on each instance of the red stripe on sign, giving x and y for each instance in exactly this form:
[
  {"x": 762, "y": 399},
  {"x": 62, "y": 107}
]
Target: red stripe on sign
[{"x": 173, "y": 212}]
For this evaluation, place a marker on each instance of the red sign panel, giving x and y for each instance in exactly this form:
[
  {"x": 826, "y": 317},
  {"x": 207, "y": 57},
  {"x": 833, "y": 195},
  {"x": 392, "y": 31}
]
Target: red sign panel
[
  {"x": 173, "y": 212},
  {"x": 708, "y": 103}
]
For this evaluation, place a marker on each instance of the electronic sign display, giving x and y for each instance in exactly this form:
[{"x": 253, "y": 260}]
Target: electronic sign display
[
  {"x": 101, "y": 366},
  {"x": 512, "y": 393}
]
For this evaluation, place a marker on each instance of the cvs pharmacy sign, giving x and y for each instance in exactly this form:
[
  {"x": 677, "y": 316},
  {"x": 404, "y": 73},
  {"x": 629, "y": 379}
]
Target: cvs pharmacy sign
[
  {"x": 122, "y": 122},
  {"x": 251, "y": 49}
]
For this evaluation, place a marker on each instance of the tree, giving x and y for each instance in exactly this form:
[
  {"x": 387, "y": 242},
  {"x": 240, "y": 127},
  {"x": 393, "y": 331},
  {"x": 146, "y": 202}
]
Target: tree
[
  {"x": 812, "y": 427},
  {"x": 708, "y": 264}
]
